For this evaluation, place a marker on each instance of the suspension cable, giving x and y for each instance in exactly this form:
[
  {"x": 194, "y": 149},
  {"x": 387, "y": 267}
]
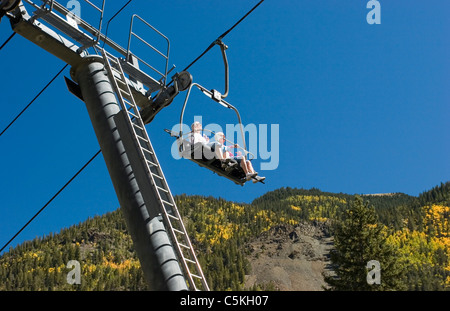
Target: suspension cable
[
  {"x": 114, "y": 16},
  {"x": 7, "y": 40},
  {"x": 32, "y": 101},
  {"x": 51, "y": 81},
  {"x": 98, "y": 152},
  {"x": 49, "y": 201},
  {"x": 223, "y": 36}
]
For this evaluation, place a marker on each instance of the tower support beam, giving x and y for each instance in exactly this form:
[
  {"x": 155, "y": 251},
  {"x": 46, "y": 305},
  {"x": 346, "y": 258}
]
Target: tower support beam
[{"x": 151, "y": 241}]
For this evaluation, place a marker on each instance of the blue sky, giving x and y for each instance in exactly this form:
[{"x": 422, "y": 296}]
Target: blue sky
[{"x": 360, "y": 108}]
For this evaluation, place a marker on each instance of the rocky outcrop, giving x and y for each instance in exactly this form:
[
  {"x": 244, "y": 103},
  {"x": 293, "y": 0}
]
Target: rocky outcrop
[{"x": 290, "y": 257}]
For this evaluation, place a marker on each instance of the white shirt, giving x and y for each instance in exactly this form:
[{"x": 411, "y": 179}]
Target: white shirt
[{"x": 197, "y": 138}]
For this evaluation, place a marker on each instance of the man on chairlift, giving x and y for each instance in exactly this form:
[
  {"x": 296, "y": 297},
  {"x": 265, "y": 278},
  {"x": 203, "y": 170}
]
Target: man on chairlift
[{"x": 195, "y": 136}]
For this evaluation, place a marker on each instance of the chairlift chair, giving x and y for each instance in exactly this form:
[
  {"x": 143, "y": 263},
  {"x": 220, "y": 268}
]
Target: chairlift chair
[{"x": 204, "y": 154}]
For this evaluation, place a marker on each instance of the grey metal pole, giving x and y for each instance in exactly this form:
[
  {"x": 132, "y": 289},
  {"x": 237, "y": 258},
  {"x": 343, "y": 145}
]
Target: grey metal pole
[{"x": 151, "y": 241}]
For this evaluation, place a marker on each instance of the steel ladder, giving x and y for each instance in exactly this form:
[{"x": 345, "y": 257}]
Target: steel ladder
[{"x": 172, "y": 218}]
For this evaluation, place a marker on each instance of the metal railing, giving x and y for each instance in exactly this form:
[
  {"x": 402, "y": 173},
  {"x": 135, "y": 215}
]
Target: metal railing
[
  {"x": 88, "y": 36},
  {"x": 102, "y": 10},
  {"x": 50, "y": 5},
  {"x": 165, "y": 56}
]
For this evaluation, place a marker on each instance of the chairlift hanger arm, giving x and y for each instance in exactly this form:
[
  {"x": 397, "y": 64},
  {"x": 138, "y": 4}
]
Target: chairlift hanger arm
[{"x": 223, "y": 48}]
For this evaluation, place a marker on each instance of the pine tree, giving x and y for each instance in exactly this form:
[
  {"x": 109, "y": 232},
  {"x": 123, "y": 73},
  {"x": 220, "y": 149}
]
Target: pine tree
[{"x": 359, "y": 239}]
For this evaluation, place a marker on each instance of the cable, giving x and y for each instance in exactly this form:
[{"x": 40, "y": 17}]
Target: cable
[
  {"x": 7, "y": 40},
  {"x": 223, "y": 35},
  {"x": 57, "y": 193},
  {"x": 51, "y": 81},
  {"x": 84, "y": 166},
  {"x": 239, "y": 21},
  {"x": 117, "y": 13},
  {"x": 98, "y": 152},
  {"x": 23, "y": 110}
]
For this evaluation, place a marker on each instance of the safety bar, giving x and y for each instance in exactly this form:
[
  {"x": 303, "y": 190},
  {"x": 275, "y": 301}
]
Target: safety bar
[{"x": 214, "y": 133}]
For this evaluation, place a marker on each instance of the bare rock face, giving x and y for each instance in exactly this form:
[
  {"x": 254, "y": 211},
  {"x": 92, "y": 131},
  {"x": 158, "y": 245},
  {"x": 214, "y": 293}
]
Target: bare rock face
[{"x": 290, "y": 258}]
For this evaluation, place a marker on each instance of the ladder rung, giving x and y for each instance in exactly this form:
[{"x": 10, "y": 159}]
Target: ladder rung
[
  {"x": 129, "y": 103},
  {"x": 118, "y": 76},
  {"x": 116, "y": 70},
  {"x": 130, "y": 113},
  {"x": 139, "y": 127},
  {"x": 189, "y": 260},
  {"x": 142, "y": 138},
  {"x": 168, "y": 203},
  {"x": 112, "y": 61},
  {"x": 123, "y": 86},
  {"x": 157, "y": 176},
  {"x": 174, "y": 217},
  {"x": 185, "y": 246},
  {"x": 132, "y": 109},
  {"x": 124, "y": 92},
  {"x": 166, "y": 191},
  {"x": 178, "y": 231},
  {"x": 150, "y": 162},
  {"x": 146, "y": 151},
  {"x": 123, "y": 83},
  {"x": 109, "y": 55},
  {"x": 196, "y": 276}
]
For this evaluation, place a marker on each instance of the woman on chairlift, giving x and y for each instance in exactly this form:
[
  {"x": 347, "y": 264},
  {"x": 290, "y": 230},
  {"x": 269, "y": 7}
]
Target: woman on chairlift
[{"x": 223, "y": 153}]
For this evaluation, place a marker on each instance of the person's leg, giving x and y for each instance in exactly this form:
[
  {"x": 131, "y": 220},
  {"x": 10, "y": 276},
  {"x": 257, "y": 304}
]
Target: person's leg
[
  {"x": 244, "y": 167},
  {"x": 249, "y": 172},
  {"x": 218, "y": 152},
  {"x": 250, "y": 167}
]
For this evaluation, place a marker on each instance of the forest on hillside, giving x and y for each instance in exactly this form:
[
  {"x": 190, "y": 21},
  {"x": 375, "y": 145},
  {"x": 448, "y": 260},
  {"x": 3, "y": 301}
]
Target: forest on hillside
[{"x": 418, "y": 228}]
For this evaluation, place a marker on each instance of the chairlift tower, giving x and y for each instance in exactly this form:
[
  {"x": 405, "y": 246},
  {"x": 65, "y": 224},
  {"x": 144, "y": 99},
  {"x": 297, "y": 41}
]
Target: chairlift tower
[{"x": 118, "y": 95}]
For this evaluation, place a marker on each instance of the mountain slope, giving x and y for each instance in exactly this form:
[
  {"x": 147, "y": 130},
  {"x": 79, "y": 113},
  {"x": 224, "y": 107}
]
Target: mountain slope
[
  {"x": 279, "y": 242},
  {"x": 102, "y": 246}
]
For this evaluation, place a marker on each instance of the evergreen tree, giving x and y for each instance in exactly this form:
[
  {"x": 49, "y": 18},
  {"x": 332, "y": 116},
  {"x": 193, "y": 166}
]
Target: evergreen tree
[{"x": 359, "y": 239}]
